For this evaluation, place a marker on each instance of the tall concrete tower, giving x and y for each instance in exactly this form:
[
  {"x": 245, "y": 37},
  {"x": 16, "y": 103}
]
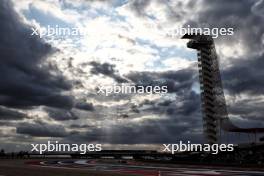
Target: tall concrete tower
[{"x": 212, "y": 95}]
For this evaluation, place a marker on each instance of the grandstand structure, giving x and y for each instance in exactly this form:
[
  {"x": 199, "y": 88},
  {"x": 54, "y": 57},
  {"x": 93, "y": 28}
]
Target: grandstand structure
[{"x": 214, "y": 111}]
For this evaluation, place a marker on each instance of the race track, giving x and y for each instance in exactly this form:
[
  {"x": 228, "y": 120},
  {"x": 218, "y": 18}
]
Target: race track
[{"x": 142, "y": 169}]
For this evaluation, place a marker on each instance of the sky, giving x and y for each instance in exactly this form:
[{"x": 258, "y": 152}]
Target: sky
[{"x": 48, "y": 86}]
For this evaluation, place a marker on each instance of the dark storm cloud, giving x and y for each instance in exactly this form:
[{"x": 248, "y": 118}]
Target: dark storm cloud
[
  {"x": 248, "y": 109},
  {"x": 245, "y": 76},
  {"x": 84, "y": 106},
  {"x": 138, "y": 6},
  {"x": 175, "y": 13},
  {"x": 185, "y": 104},
  {"x": 180, "y": 119},
  {"x": 190, "y": 104},
  {"x": 176, "y": 81},
  {"x": 179, "y": 11},
  {"x": 258, "y": 8},
  {"x": 25, "y": 79},
  {"x": 106, "y": 69},
  {"x": 165, "y": 103},
  {"x": 7, "y": 123},
  {"x": 8, "y": 114},
  {"x": 134, "y": 109},
  {"x": 159, "y": 131},
  {"x": 99, "y": 1},
  {"x": 40, "y": 129},
  {"x": 80, "y": 126},
  {"x": 180, "y": 82},
  {"x": 242, "y": 15},
  {"x": 60, "y": 114}
]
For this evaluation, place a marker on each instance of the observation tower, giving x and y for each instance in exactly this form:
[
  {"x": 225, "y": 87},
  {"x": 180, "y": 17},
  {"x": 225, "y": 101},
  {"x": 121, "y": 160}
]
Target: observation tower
[{"x": 214, "y": 111}]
